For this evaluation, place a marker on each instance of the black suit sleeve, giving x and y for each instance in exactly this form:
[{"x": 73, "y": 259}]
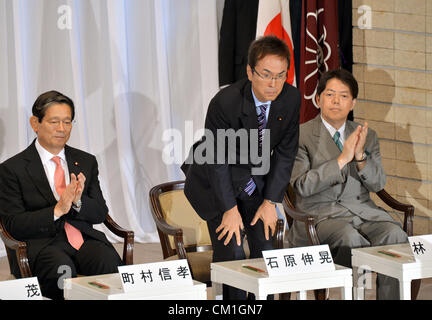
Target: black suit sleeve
[
  {"x": 284, "y": 155},
  {"x": 21, "y": 222},
  {"x": 219, "y": 175}
]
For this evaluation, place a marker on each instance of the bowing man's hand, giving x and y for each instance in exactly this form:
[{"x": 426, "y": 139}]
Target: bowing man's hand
[
  {"x": 267, "y": 213},
  {"x": 232, "y": 224}
]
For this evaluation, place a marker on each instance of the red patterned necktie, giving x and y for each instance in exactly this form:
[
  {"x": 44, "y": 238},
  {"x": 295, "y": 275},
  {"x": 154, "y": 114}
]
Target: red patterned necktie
[{"x": 74, "y": 236}]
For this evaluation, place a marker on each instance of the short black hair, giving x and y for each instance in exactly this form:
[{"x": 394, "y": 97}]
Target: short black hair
[
  {"x": 47, "y": 99},
  {"x": 341, "y": 74},
  {"x": 264, "y": 46}
]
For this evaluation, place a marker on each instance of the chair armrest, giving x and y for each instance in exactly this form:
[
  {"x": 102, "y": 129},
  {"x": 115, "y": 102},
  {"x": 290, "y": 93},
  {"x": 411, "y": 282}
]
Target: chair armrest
[
  {"x": 279, "y": 233},
  {"x": 308, "y": 220},
  {"x": 407, "y": 209},
  {"x": 20, "y": 249},
  {"x": 394, "y": 204},
  {"x": 127, "y": 235}
]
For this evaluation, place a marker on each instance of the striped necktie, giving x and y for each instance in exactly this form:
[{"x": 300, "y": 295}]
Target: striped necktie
[
  {"x": 337, "y": 140},
  {"x": 262, "y": 122}
]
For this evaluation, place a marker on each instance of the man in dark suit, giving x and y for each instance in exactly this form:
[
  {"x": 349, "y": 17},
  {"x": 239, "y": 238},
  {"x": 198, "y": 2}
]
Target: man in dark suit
[
  {"x": 236, "y": 193},
  {"x": 50, "y": 198}
]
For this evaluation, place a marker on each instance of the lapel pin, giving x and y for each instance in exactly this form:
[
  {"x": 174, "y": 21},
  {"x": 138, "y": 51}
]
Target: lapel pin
[
  {"x": 280, "y": 118},
  {"x": 76, "y": 163}
]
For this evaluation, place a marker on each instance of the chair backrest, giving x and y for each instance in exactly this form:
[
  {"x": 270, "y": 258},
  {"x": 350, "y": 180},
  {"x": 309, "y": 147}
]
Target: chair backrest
[{"x": 170, "y": 205}]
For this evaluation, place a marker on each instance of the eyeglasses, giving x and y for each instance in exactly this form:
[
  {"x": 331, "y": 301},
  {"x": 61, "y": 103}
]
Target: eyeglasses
[
  {"x": 56, "y": 123},
  {"x": 270, "y": 77}
]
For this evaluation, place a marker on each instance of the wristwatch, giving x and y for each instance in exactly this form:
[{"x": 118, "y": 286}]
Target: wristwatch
[
  {"x": 364, "y": 156},
  {"x": 77, "y": 205}
]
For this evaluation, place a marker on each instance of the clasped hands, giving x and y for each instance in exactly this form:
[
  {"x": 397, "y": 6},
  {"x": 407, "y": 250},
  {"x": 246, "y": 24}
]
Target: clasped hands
[
  {"x": 70, "y": 195},
  {"x": 354, "y": 147},
  {"x": 232, "y": 223}
]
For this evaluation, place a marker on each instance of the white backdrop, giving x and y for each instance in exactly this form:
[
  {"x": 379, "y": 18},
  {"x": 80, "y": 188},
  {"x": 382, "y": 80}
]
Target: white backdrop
[{"x": 134, "y": 68}]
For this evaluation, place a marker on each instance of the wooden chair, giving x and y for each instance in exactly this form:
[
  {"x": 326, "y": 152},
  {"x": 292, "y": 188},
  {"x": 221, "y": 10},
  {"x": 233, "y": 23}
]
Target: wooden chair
[
  {"x": 20, "y": 248},
  {"x": 309, "y": 221},
  {"x": 182, "y": 233}
]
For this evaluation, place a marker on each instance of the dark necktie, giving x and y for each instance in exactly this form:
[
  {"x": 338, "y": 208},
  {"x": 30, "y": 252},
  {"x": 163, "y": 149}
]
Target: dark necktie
[
  {"x": 337, "y": 140},
  {"x": 262, "y": 122}
]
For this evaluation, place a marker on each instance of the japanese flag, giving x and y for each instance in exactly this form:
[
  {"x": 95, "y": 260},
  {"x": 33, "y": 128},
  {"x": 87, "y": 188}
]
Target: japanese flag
[{"x": 274, "y": 19}]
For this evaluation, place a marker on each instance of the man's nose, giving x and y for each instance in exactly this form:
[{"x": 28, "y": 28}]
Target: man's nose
[
  {"x": 61, "y": 126},
  {"x": 272, "y": 82}
]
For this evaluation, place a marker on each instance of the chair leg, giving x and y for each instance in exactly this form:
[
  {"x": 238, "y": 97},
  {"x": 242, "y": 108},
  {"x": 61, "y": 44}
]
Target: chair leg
[
  {"x": 321, "y": 294},
  {"x": 415, "y": 288}
]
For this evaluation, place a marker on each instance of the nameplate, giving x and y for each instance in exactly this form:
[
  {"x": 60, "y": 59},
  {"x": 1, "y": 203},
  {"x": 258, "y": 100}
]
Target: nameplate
[
  {"x": 298, "y": 260},
  {"x": 20, "y": 289},
  {"x": 421, "y": 247},
  {"x": 139, "y": 277}
]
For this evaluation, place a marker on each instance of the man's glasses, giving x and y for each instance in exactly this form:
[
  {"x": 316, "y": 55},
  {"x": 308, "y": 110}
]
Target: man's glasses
[{"x": 269, "y": 77}]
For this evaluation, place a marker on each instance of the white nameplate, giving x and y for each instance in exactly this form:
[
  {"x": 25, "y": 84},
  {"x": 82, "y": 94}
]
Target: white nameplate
[
  {"x": 20, "y": 289},
  {"x": 421, "y": 247},
  {"x": 298, "y": 260},
  {"x": 159, "y": 274}
]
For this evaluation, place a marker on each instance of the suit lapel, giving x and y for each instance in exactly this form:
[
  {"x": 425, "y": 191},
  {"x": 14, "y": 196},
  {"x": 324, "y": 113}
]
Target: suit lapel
[
  {"x": 322, "y": 138},
  {"x": 248, "y": 116},
  {"x": 72, "y": 161},
  {"x": 37, "y": 173}
]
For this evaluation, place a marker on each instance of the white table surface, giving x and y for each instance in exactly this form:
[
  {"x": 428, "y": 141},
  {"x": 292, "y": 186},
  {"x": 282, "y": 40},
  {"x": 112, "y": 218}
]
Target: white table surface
[
  {"x": 232, "y": 273},
  {"x": 405, "y": 268},
  {"x": 80, "y": 289}
]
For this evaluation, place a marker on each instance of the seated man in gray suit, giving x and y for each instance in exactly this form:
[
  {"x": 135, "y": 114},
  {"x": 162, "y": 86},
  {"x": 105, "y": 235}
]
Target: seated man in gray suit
[{"x": 338, "y": 163}]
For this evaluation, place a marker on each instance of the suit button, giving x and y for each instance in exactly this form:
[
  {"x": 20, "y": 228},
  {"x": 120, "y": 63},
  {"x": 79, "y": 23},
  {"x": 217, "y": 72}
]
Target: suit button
[
  {"x": 240, "y": 189},
  {"x": 338, "y": 201},
  {"x": 358, "y": 197}
]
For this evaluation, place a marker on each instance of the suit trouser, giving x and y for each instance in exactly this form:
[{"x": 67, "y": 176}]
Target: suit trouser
[
  {"x": 59, "y": 260},
  {"x": 345, "y": 233},
  {"x": 247, "y": 207}
]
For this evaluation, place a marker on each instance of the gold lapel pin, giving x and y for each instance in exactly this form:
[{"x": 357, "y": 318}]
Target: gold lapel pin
[{"x": 280, "y": 118}]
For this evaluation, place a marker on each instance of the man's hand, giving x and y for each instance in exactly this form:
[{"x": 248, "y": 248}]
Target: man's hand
[
  {"x": 267, "y": 213},
  {"x": 79, "y": 188},
  {"x": 232, "y": 223},
  {"x": 65, "y": 202},
  {"x": 359, "y": 150},
  {"x": 349, "y": 148}
]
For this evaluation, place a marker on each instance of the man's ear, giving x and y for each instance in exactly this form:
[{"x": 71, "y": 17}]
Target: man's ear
[
  {"x": 353, "y": 104},
  {"x": 34, "y": 123},
  {"x": 249, "y": 72},
  {"x": 317, "y": 100}
]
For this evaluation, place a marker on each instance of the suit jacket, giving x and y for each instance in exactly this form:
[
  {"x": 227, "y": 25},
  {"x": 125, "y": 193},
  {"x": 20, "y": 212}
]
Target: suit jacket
[
  {"x": 323, "y": 190},
  {"x": 27, "y": 201},
  {"x": 238, "y": 30},
  {"x": 213, "y": 189}
]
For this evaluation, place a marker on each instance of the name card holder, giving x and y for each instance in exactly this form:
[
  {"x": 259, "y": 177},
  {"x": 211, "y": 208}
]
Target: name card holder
[
  {"x": 421, "y": 247},
  {"x": 164, "y": 274},
  {"x": 20, "y": 289},
  {"x": 298, "y": 260}
]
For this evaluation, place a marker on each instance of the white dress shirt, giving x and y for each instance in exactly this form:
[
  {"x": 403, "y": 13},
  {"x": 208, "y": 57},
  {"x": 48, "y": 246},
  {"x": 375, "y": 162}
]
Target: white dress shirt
[
  {"x": 332, "y": 130},
  {"x": 50, "y": 166}
]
